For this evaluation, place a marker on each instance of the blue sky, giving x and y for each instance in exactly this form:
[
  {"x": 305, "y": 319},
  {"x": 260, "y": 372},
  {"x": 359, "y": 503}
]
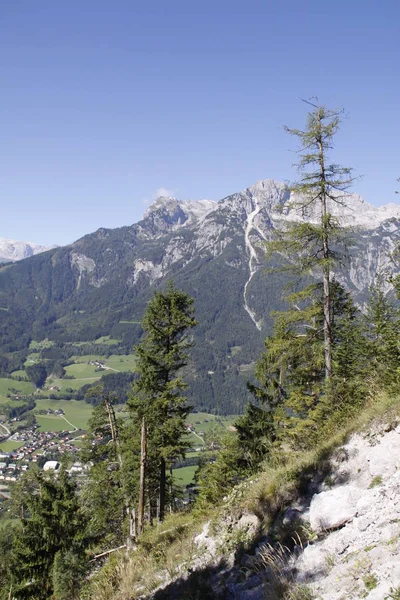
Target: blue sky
[{"x": 103, "y": 103}]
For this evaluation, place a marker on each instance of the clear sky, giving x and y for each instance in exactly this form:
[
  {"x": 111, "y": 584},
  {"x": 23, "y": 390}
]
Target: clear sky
[{"x": 103, "y": 103}]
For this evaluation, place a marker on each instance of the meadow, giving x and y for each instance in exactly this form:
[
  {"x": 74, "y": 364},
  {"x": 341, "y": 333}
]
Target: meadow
[
  {"x": 77, "y": 413},
  {"x": 184, "y": 476},
  {"x": 24, "y": 387},
  {"x": 10, "y": 445}
]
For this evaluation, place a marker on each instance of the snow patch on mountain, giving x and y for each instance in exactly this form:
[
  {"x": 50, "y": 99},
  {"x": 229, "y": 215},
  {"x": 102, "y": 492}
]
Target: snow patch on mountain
[{"x": 13, "y": 250}]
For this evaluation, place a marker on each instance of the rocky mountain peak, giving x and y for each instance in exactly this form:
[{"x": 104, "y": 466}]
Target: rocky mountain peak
[
  {"x": 269, "y": 193},
  {"x": 13, "y": 250},
  {"x": 167, "y": 213}
]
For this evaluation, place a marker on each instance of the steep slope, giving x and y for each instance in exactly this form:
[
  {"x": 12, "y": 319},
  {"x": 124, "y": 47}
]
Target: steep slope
[{"x": 100, "y": 284}]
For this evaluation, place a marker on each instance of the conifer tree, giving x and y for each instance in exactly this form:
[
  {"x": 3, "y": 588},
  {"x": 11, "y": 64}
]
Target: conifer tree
[
  {"x": 52, "y": 522},
  {"x": 291, "y": 392},
  {"x": 157, "y": 395},
  {"x": 104, "y": 495},
  {"x": 383, "y": 335},
  {"x": 312, "y": 246}
]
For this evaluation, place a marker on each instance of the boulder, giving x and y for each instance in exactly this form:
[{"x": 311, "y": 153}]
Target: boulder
[{"x": 334, "y": 508}]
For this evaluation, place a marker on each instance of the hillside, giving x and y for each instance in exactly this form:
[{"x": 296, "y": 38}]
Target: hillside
[
  {"x": 99, "y": 286},
  {"x": 324, "y": 526}
]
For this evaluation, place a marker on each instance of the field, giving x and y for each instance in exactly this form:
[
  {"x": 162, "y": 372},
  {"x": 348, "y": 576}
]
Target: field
[
  {"x": 5, "y": 400},
  {"x": 24, "y": 387},
  {"x": 77, "y": 413},
  {"x": 10, "y": 446},
  {"x": 184, "y": 475},
  {"x": 19, "y": 373},
  {"x": 73, "y": 384},
  {"x": 114, "y": 362},
  {"x": 53, "y": 423},
  {"x": 82, "y": 370},
  {"x": 121, "y": 363},
  {"x": 105, "y": 340}
]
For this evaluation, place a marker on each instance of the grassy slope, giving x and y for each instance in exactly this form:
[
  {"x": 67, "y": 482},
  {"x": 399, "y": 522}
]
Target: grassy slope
[
  {"x": 76, "y": 412},
  {"x": 274, "y": 489},
  {"x": 22, "y": 386}
]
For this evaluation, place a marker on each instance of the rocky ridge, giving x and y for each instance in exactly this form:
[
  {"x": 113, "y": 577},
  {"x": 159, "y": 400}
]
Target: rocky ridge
[
  {"x": 253, "y": 214},
  {"x": 12, "y": 250}
]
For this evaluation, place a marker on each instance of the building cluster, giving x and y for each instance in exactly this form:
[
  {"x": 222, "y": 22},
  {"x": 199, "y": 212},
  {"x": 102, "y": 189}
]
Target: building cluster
[{"x": 35, "y": 444}]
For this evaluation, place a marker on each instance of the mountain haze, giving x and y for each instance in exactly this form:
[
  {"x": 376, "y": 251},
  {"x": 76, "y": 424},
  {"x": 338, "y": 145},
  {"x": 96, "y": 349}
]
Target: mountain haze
[
  {"x": 213, "y": 250},
  {"x": 12, "y": 250}
]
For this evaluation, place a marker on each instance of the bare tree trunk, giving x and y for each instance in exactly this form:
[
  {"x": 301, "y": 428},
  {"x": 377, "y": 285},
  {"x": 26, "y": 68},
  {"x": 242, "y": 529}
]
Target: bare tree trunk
[
  {"x": 327, "y": 296},
  {"x": 143, "y": 453},
  {"x": 327, "y": 326},
  {"x": 326, "y": 269},
  {"x": 132, "y": 525},
  {"x": 161, "y": 506},
  {"x": 111, "y": 418}
]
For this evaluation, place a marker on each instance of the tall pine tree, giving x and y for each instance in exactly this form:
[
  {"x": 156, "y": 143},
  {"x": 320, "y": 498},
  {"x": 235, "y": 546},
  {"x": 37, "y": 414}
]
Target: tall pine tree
[
  {"x": 52, "y": 523},
  {"x": 157, "y": 395}
]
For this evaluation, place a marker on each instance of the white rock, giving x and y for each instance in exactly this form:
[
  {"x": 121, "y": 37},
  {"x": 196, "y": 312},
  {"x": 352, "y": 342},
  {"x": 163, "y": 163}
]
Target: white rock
[{"x": 332, "y": 509}]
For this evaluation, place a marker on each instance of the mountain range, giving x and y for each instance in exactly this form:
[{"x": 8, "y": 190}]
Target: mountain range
[
  {"x": 12, "y": 250},
  {"x": 100, "y": 284}
]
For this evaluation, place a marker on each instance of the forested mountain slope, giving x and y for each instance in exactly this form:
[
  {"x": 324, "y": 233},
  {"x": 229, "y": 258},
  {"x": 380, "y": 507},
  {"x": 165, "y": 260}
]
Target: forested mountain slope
[{"x": 213, "y": 250}]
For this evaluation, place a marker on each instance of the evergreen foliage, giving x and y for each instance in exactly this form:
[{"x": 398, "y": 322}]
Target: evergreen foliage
[
  {"x": 102, "y": 497},
  {"x": 37, "y": 374},
  {"x": 157, "y": 394},
  {"x": 314, "y": 247},
  {"x": 52, "y": 523}
]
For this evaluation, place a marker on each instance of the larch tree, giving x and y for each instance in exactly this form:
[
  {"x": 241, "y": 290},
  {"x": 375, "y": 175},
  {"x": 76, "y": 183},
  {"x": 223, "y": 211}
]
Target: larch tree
[
  {"x": 314, "y": 246},
  {"x": 157, "y": 398}
]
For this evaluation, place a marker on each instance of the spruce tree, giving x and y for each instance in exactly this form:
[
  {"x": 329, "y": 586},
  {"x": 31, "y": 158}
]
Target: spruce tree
[
  {"x": 383, "y": 334},
  {"x": 157, "y": 395},
  {"x": 52, "y": 522}
]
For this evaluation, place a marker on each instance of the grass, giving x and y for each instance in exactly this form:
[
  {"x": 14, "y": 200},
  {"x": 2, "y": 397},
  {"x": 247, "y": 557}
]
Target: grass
[
  {"x": 24, "y": 387},
  {"x": 78, "y": 413},
  {"x": 205, "y": 422},
  {"x": 85, "y": 358},
  {"x": 73, "y": 384},
  {"x": 19, "y": 373},
  {"x": 83, "y": 371},
  {"x": 52, "y": 423},
  {"x": 32, "y": 358},
  {"x": 375, "y": 481},
  {"x": 165, "y": 547},
  {"x": 104, "y": 339},
  {"x": 10, "y": 446},
  {"x": 121, "y": 362},
  {"x": 41, "y": 345},
  {"x": 278, "y": 485},
  {"x": 370, "y": 581},
  {"x": 193, "y": 441},
  {"x": 5, "y": 400},
  {"x": 184, "y": 475},
  {"x": 170, "y": 547}
]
